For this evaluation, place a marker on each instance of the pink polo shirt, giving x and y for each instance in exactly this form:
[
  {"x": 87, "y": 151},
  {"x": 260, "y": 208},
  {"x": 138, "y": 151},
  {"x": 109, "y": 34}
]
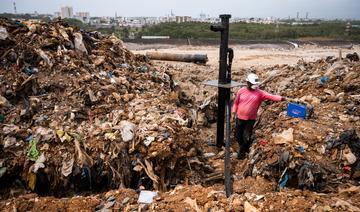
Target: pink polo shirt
[{"x": 247, "y": 102}]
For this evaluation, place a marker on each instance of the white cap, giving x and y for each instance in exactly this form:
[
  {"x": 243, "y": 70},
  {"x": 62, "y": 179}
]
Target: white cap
[{"x": 253, "y": 79}]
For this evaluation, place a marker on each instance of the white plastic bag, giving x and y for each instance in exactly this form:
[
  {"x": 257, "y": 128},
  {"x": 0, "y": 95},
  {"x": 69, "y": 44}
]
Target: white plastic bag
[{"x": 79, "y": 44}]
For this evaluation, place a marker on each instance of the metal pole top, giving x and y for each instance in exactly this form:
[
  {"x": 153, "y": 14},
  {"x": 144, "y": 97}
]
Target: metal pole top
[{"x": 225, "y": 16}]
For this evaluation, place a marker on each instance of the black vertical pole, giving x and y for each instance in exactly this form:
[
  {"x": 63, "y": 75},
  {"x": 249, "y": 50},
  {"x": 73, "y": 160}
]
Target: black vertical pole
[
  {"x": 224, "y": 107},
  {"x": 227, "y": 162},
  {"x": 224, "y": 93}
]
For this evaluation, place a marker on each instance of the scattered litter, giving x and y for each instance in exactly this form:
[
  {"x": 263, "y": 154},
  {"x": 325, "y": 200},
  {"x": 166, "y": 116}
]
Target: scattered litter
[
  {"x": 209, "y": 154},
  {"x": 9, "y": 141},
  {"x": 296, "y": 110},
  {"x": 148, "y": 140},
  {"x": 285, "y": 137},
  {"x": 67, "y": 167},
  {"x": 33, "y": 153},
  {"x": 253, "y": 197},
  {"x": 4, "y": 102},
  {"x": 147, "y": 197},
  {"x": 45, "y": 57},
  {"x": 283, "y": 180},
  {"x": 127, "y": 130},
  {"x": 3, "y": 33},
  {"x": 2, "y": 171},
  {"x": 79, "y": 44},
  {"x": 323, "y": 80},
  {"x": 39, "y": 163}
]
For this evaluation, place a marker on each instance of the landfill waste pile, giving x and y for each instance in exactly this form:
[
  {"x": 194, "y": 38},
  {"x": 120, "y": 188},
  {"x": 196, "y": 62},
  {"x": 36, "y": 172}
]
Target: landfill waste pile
[
  {"x": 310, "y": 162},
  {"x": 320, "y": 150},
  {"x": 79, "y": 112}
]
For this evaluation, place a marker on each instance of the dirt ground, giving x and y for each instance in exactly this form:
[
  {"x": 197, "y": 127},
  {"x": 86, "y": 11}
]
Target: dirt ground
[
  {"x": 251, "y": 57},
  {"x": 256, "y": 55}
]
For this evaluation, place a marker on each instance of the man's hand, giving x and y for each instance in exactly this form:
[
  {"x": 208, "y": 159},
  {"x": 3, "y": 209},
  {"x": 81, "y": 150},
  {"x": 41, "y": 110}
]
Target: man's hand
[{"x": 287, "y": 99}]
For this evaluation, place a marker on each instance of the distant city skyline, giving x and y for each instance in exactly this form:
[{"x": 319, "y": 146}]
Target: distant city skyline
[{"x": 327, "y": 9}]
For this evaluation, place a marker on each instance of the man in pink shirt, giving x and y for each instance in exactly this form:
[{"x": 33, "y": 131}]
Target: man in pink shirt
[{"x": 247, "y": 102}]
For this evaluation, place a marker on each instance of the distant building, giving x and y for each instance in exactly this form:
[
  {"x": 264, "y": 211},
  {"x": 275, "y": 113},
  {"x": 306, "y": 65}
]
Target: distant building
[
  {"x": 67, "y": 12},
  {"x": 83, "y": 16},
  {"x": 57, "y": 14},
  {"x": 182, "y": 19}
]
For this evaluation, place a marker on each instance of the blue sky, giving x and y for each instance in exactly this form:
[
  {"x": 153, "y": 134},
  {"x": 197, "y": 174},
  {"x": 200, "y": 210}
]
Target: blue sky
[{"x": 329, "y": 9}]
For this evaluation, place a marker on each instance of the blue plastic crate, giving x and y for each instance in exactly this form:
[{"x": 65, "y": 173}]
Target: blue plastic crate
[{"x": 296, "y": 110}]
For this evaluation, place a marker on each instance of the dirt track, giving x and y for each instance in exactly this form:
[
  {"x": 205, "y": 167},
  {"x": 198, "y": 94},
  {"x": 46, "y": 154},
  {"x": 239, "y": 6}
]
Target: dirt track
[{"x": 257, "y": 55}]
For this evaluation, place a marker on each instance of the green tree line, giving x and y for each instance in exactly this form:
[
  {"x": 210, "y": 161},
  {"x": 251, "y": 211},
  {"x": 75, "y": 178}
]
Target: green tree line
[{"x": 254, "y": 31}]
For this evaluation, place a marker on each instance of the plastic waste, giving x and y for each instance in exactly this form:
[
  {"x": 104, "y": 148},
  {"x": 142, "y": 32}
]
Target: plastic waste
[
  {"x": 66, "y": 168},
  {"x": 33, "y": 153},
  {"x": 32, "y": 181},
  {"x": 91, "y": 95},
  {"x": 127, "y": 130},
  {"x": 10, "y": 128},
  {"x": 29, "y": 138},
  {"x": 311, "y": 176},
  {"x": 300, "y": 149},
  {"x": 147, "y": 197},
  {"x": 209, "y": 154},
  {"x": 9, "y": 141},
  {"x": 254, "y": 197},
  {"x": 110, "y": 202},
  {"x": 4, "y": 102},
  {"x": 263, "y": 142},
  {"x": 45, "y": 133},
  {"x": 45, "y": 57},
  {"x": 110, "y": 74},
  {"x": 39, "y": 163},
  {"x": 30, "y": 70},
  {"x": 83, "y": 159},
  {"x": 350, "y": 138},
  {"x": 79, "y": 44},
  {"x": 143, "y": 69},
  {"x": 285, "y": 137},
  {"x": 125, "y": 65},
  {"x": 2, "y": 171},
  {"x": 283, "y": 180},
  {"x": 64, "y": 136},
  {"x": 111, "y": 136},
  {"x": 323, "y": 80},
  {"x": 3, "y": 33},
  {"x": 350, "y": 157},
  {"x": 148, "y": 140}
]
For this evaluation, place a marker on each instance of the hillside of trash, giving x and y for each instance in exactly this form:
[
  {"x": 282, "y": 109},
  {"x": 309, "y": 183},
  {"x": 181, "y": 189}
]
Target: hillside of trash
[
  {"x": 88, "y": 125},
  {"x": 82, "y": 113}
]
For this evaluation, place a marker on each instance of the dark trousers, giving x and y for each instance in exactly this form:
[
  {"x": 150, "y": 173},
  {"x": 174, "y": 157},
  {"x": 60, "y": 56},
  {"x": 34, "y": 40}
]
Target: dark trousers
[{"x": 243, "y": 132}]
